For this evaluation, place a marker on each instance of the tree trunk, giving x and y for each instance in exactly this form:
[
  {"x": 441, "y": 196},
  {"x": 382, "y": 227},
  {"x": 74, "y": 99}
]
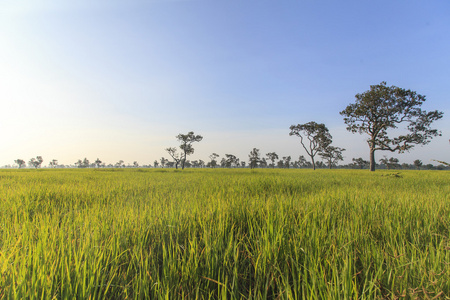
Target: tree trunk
[
  {"x": 314, "y": 164},
  {"x": 372, "y": 160}
]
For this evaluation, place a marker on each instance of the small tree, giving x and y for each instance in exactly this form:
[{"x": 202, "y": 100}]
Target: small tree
[
  {"x": 280, "y": 164},
  {"x": 391, "y": 163},
  {"x": 317, "y": 136},
  {"x": 20, "y": 162},
  {"x": 177, "y": 157},
  {"x": 263, "y": 163},
  {"x": 213, "y": 157},
  {"x": 360, "y": 162},
  {"x": 286, "y": 161},
  {"x": 36, "y": 162},
  {"x": 186, "y": 144},
  {"x": 155, "y": 164},
  {"x": 332, "y": 155},
  {"x": 163, "y": 161},
  {"x": 302, "y": 161},
  {"x": 254, "y": 158},
  {"x": 135, "y": 164},
  {"x": 418, "y": 163},
  {"x": 120, "y": 164},
  {"x": 231, "y": 160},
  {"x": 383, "y": 108},
  {"x": 98, "y": 162},
  {"x": 272, "y": 156},
  {"x": 53, "y": 163}
]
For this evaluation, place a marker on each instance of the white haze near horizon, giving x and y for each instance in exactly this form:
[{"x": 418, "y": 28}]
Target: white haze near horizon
[{"x": 119, "y": 80}]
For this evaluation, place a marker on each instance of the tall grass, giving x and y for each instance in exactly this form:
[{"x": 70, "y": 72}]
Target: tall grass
[{"x": 224, "y": 234}]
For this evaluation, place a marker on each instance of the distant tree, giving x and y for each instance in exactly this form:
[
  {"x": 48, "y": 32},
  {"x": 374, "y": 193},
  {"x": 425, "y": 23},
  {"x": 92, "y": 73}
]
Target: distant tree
[
  {"x": 254, "y": 158},
  {"x": 188, "y": 163},
  {"x": 186, "y": 144},
  {"x": 36, "y": 162},
  {"x": 418, "y": 163},
  {"x": 242, "y": 164},
  {"x": 85, "y": 163},
  {"x": 320, "y": 164},
  {"x": 231, "y": 161},
  {"x": 98, "y": 162},
  {"x": 177, "y": 157},
  {"x": 53, "y": 163},
  {"x": 272, "y": 156},
  {"x": 429, "y": 167},
  {"x": 360, "y": 162},
  {"x": 280, "y": 164},
  {"x": 383, "y": 108},
  {"x": 287, "y": 161},
  {"x": 332, "y": 155},
  {"x": 120, "y": 164},
  {"x": 201, "y": 163},
  {"x": 391, "y": 163},
  {"x": 79, "y": 163},
  {"x": 302, "y": 161},
  {"x": 170, "y": 164},
  {"x": 317, "y": 136},
  {"x": 263, "y": 163},
  {"x": 155, "y": 164},
  {"x": 20, "y": 162},
  {"x": 213, "y": 160},
  {"x": 135, "y": 164},
  {"x": 406, "y": 166},
  {"x": 163, "y": 161}
]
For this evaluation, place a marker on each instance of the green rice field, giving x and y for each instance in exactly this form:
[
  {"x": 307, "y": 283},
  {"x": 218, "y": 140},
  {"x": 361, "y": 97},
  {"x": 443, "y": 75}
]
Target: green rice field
[{"x": 224, "y": 234}]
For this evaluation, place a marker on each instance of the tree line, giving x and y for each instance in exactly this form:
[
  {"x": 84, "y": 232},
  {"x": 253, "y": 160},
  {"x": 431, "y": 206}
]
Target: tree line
[{"x": 375, "y": 113}]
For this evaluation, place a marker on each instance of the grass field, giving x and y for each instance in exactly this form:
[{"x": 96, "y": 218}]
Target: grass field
[{"x": 230, "y": 234}]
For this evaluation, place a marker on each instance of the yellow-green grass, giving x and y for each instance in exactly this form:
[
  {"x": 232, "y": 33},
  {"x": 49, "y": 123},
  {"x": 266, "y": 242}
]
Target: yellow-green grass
[{"x": 229, "y": 234}]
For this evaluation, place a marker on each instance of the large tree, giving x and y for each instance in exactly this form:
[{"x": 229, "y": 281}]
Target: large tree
[
  {"x": 314, "y": 138},
  {"x": 186, "y": 144},
  {"x": 383, "y": 108}
]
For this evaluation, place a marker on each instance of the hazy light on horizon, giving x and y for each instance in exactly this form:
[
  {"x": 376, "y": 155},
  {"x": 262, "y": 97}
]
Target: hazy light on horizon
[{"x": 119, "y": 80}]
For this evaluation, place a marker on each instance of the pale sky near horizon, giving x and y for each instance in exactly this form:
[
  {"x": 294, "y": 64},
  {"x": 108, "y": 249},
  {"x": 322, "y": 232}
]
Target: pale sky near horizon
[{"x": 118, "y": 80}]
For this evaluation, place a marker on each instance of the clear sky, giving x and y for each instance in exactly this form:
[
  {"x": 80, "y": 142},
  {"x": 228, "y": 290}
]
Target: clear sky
[{"x": 118, "y": 80}]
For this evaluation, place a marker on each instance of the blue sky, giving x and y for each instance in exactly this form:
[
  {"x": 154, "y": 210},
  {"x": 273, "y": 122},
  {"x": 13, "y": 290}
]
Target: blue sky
[{"x": 119, "y": 79}]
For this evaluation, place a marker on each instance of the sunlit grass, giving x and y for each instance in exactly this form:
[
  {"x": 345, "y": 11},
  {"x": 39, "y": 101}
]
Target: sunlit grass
[{"x": 289, "y": 234}]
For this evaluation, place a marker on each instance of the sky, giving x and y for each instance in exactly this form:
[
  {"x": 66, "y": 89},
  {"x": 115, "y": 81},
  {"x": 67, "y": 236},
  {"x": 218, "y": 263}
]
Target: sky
[{"x": 118, "y": 80}]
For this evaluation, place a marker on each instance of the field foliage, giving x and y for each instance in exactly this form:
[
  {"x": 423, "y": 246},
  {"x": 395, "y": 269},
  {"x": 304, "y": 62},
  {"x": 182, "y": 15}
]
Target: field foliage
[{"x": 229, "y": 234}]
